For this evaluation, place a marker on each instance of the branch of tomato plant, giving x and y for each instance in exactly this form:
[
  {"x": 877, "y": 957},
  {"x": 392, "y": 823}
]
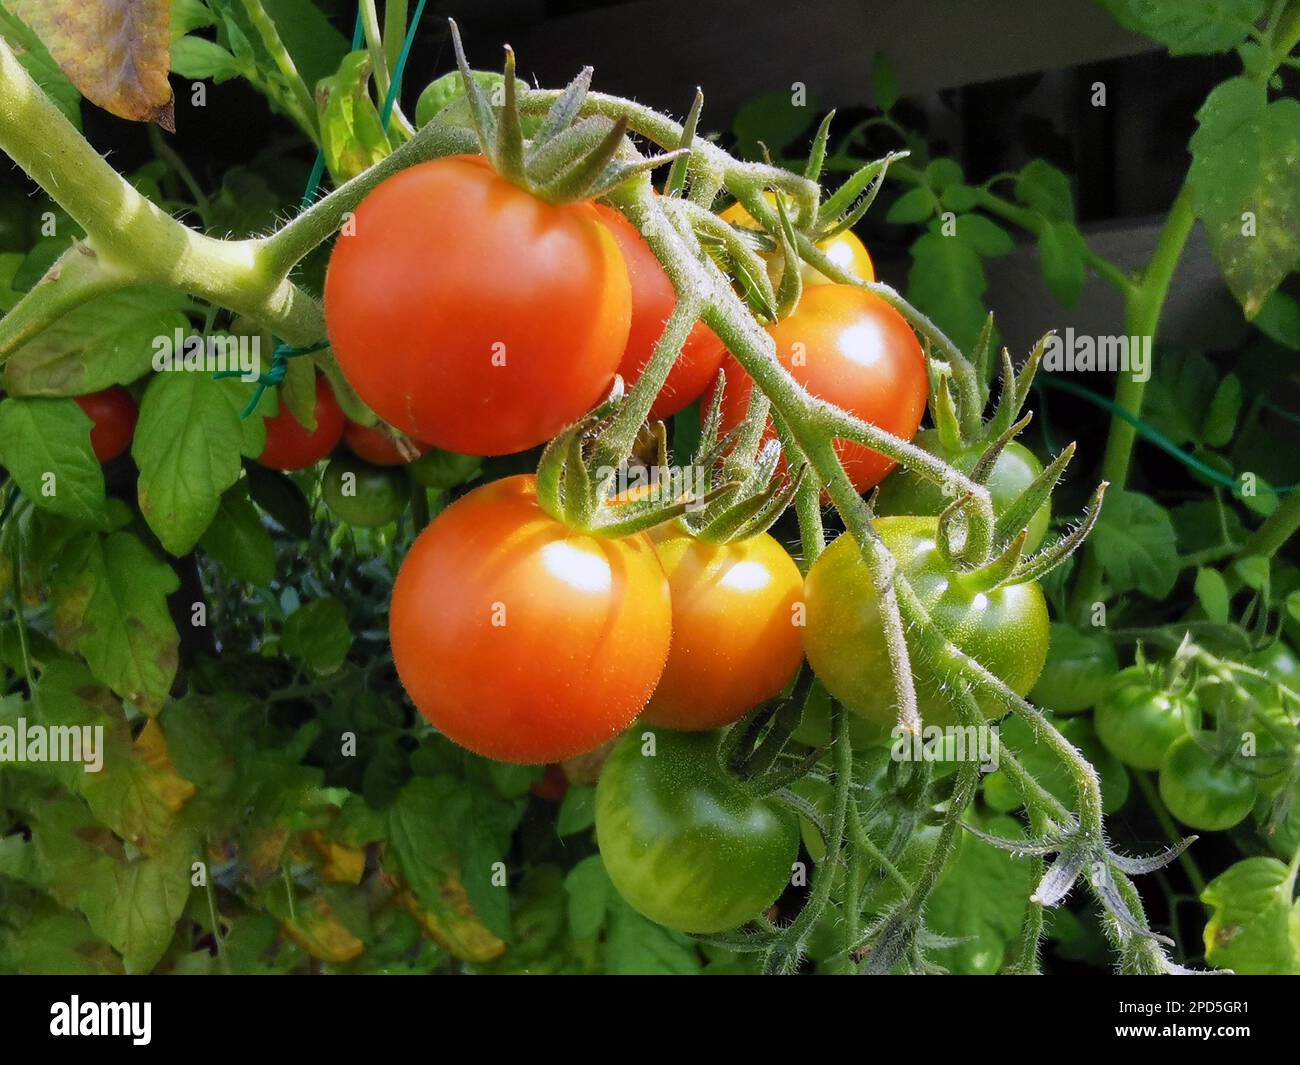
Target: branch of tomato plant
[
  {"x": 301, "y": 104},
  {"x": 1276, "y": 529}
]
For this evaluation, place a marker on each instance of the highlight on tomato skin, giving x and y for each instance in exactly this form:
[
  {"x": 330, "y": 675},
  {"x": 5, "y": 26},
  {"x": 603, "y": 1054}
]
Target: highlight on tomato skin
[
  {"x": 292, "y": 446},
  {"x": 653, "y": 300},
  {"x": 524, "y": 640},
  {"x": 114, "y": 414},
  {"x": 852, "y": 349},
  {"x": 472, "y": 315}
]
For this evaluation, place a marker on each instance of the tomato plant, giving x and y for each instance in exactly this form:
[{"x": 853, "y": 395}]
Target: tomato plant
[
  {"x": 114, "y": 414},
  {"x": 527, "y": 308},
  {"x": 1204, "y": 790},
  {"x": 361, "y": 494},
  {"x": 1139, "y": 721},
  {"x": 1079, "y": 667},
  {"x": 290, "y": 445},
  {"x": 683, "y": 844},
  {"x": 379, "y": 447}
]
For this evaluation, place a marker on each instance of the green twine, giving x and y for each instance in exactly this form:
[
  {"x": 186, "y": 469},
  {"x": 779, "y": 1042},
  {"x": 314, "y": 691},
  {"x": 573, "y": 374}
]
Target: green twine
[
  {"x": 283, "y": 352},
  {"x": 1153, "y": 435}
]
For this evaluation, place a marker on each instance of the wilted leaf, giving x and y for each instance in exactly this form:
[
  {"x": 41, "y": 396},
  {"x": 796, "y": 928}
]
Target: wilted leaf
[{"x": 116, "y": 52}]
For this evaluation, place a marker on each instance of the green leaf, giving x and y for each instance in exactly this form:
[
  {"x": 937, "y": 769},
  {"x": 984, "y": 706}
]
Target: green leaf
[
  {"x": 636, "y": 946},
  {"x": 1253, "y": 571},
  {"x": 940, "y": 173},
  {"x": 109, "y": 600},
  {"x": 915, "y": 205},
  {"x": 238, "y": 539},
  {"x": 190, "y": 15},
  {"x": 449, "y": 87},
  {"x": 1242, "y": 178},
  {"x": 108, "y": 341},
  {"x": 45, "y": 445},
  {"x": 947, "y": 282},
  {"x": 1212, "y": 594},
  {"x": 315, "y": 46},
  {"x": 200, "y": 59},
  {"x": 352, "y": 136},
  {"x": 37, "y": 61},
  {"x": 577, "y": 811},
  {"x": 1060, "y": 253},
  {"x": 884, "y": 82},
  {"x": 317, "y": 634},
  {"x": 1221, "y": 418},
  {"x": 1046, "y": 189},
  {"x": 1135, "y": 544},
  {"x": 984, "y": 235},
  {"x": 61, "y": 944},
  {"x": 1255, "y": 927},
  {"x": 1179, "y": 395},
  {"x": 1204, "y": 524},
  {"x": 279, "y": 495},
  {"x": 775, "y": 119},
  {"x": 1188, "y": 27},
  {"x": 590, "y": 894},
  {"x": 983, "y": 899},
  {"x": 187, "y": 444},
  {"x": 1279, "y": 320}
]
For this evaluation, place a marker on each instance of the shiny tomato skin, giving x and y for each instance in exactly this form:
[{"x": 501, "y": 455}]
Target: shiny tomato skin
[
  {"x": 291, "y": 446},
  {"x": 1006, "y": 630},
  {"x": 364, "y": 495},
  {"x": 114, "y": 413},
  {"x": 521, "y": 639},
  {"x": 379, "y": 447},
  {"x": 682, "y": 843},
  {"x": 1138, "y": 721},
  {"x": 1201, "y": 792},
  {"x": 735, "y": 638},
  {"x": 844, "y": 249},
  {"x": 472, "y": 315},
  {"x": 852, "y": 349},
  {"x": 653, "y": 301}
]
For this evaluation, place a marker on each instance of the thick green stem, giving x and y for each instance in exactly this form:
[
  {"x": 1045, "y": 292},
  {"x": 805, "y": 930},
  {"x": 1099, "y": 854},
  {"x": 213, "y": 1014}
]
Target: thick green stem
[
  {"x": 1277, "y": 529},
  {"x": 1142, "y": 316}
]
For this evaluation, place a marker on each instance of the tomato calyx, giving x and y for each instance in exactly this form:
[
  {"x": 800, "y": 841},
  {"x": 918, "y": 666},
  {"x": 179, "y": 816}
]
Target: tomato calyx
[{"x": 569, "y": 159}]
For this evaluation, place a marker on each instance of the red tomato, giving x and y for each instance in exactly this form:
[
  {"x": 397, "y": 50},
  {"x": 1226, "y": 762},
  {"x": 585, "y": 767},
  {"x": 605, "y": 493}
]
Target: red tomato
[
  {"x": 735, "y": 641},
  {"x": 552, "y": 785},
  {"x": 852, "y": 349},
  {"x": 291, "y": 446},
  {"x": 379, "y": 447},
  {"x": 472, "y": 315},
  {"x": 653, "y": 301},
  {"x": 522, "y": 639},
  {"x": 114, "y": 413}
]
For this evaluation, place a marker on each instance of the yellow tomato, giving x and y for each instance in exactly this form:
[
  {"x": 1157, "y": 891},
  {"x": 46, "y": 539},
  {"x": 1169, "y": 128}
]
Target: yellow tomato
[{"x": 844, "y": 249}]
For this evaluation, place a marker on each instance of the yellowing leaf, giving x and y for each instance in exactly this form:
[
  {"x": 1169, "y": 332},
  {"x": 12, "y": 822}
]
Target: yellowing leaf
[
  {"x": 340, "y": 864},
  {"x": 321, "y": 934},
  {"x": 454, "y": 927},
  {"x": 171, "y": 789},
  {"x": 116, "y": 52}
]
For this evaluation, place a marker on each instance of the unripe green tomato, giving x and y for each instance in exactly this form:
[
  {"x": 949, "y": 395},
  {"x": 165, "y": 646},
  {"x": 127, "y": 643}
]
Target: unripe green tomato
[
  {"x": 1138, "y": 721},
  {"x": 681, "y": 841},
  {"x": 1200, "y": 792},
  {"x": 443, "y": 469},
  {"x": 1079, "y": 667},
  {"x": 907, "y": 492},
  {"x": 364, "y": 495},
  {"x": 1005, "y": 629}
]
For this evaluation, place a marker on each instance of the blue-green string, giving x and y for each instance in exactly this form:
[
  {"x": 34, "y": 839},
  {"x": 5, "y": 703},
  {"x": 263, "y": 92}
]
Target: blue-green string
[
  {"x": 283, "y": 352},
  {"x": 1153, "y": 435}
]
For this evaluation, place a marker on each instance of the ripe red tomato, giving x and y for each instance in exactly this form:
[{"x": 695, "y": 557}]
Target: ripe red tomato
[
  {"x": 291, "y": 446},
  {"x": 653, "y": 301},
  {"x": 377, "y": 445},
  {"x": 852, "y": 349},
  {"x": 114, "y": 413},
  {"x": 735, "y": 641},
  {"x": 472, "y": 315},
  {"x": 524, "y": 640}
]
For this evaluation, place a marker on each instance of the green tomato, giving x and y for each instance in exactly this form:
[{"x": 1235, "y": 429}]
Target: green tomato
[
  {"x": 1006, "y": 630},
  {"x": 1279, "y": 662},
  {"x": 1138, "y": 721},
  {"x": 907, "y": 492},
  {"x": 364, "y": 495},
  {"x": 443, "y": 469},
  {"x": 681, "y": 841},
  {"x": 1200, "y": 791},
  {"x": 1079, "y": 667}
]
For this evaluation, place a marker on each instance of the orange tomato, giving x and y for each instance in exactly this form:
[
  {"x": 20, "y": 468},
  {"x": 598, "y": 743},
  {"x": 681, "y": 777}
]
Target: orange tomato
[
  {"x": 379, "y": 447},
  {"x": 844, "y": 249}
]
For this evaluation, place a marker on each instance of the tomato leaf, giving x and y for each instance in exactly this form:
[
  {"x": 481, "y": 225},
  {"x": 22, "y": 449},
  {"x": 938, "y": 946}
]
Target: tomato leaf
[
  {"x": 915, "y": 205},
  {"x": 947, "y": 282},
  {"x": 1255, "y": 926},
  {"x": 352, "y": 136},
  {"x": 1279, "y": 320},
  {"x": 590, "y": 893},
  {"x": 317, "y": 634},
  {"x": 884, "y": 82},
  {"x": 1243, "y": 156},
  {"x": 1135, "y": 544},
  {"x": 109, "y": 599},
  {"x": 1212, "y": 594},
  {"x": 1046, "y": 189},
  {"x": 1188, "y": 27},
  {"x": 45, "y": 446},
  {"x": 201, "y": 59},
  {"x": 37, "y": 61},
  {"x": 108, "y": 341},
  {"x": 1060, "y": 253},
  {"x": 577, "y": 811},
  {"x": 238, "y": 539},
  {"x": 775, "y": 120},
  {"x": 116, "y": 52},
  {"x": 187, "y": 444}
]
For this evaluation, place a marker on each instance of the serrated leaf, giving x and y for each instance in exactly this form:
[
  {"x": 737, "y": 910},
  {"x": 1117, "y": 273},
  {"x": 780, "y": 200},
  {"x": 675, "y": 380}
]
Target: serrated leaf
[
  {"x": 915, "y": 205},
  {"x": 200, "y": 59},
  {"x": 108, "y": 341},
  {"x": 116, "y": 52},
  {"x": 1135, "y": 544},
  {"x": 1188, "y": 27},
  {"x": 1060, "y": 253},
  {"x": 1244, "y": 156},
  {"x": 45, "y": 446},
  {"x": 1255, "y": 925},
  {"x": 1046, "y": 189},
  {"x": 317, "y": 634},
  {"x": 238, "y": 539},
  {"x": 188, "y": 444},
  {"x": 984, "y": 235},
  {"x": 109, "y": 600}
]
